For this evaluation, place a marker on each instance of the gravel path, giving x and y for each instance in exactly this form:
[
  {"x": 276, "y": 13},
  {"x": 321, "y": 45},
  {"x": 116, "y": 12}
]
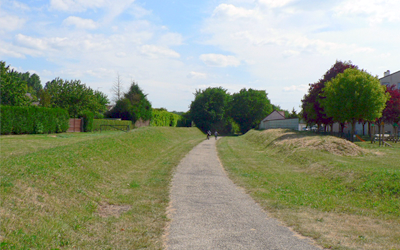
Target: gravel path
[{"x": 208, "y": 211}]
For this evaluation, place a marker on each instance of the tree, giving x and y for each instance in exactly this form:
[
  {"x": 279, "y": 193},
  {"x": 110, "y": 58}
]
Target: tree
[
  {"x": 133, "y": 106},
  {"x": 312, "y": 110},
  {"x": 117, "y": 89},
  {"x": 209, "y": 109},
  {"x": 249, "y": 107},
  {"x": 12, "y": 89},
  {"x": 354, "y": 95},
  {"x": 391, "y": 113},
  {"x": 74, "y": 97}
]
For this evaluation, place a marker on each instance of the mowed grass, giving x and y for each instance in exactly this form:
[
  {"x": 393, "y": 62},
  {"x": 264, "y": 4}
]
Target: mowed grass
[
  {"x": 343, "y": 195},
  {"x": 89, "y": 190}
]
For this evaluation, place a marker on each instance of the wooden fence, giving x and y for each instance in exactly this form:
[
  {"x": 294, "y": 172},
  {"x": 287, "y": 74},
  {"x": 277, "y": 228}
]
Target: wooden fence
[{"x": 75, "y": 125}]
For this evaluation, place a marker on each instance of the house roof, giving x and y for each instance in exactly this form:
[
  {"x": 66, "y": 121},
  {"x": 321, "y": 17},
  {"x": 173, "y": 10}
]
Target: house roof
[
  {"x": 275, "y": 115},
  {"x": 390, "y": 75}
]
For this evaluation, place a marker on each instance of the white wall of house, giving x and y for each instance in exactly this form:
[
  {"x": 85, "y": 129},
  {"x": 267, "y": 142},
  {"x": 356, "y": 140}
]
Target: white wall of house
[
  {"x": 391, "y": 79},
  {"x": 285, "y": 123}
]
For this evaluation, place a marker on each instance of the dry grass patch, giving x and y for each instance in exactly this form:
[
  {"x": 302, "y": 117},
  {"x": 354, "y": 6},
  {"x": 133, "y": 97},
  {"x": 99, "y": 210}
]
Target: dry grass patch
[
  {"x": 295, "y": 140},
  {"x": 343, "y": 231},
  {"x": 107, "y": 210}
]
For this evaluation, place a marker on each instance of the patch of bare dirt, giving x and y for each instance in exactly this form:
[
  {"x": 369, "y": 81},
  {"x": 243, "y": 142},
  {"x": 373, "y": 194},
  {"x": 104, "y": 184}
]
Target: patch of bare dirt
[{"x": 108, "y": 210}]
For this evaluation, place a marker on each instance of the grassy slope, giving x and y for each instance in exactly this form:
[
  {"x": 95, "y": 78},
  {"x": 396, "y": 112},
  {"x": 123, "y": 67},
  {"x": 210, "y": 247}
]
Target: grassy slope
[
  {"x": 51, "y": 188},
  {"x": 342, "y": 201}
]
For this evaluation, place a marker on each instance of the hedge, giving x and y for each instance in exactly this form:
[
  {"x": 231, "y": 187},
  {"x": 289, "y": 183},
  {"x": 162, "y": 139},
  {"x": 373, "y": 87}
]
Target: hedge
[
  {"x": 88, "y": 117},
  {"x": 98, "y": 122},
  {"x": 162, "y": 118},
  {"x": 33, "y": 120}
]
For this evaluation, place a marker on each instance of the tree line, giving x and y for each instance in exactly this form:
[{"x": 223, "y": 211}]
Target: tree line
[
  {"x": 24, "y": 89},
  {"x": 347, "y": 94}
]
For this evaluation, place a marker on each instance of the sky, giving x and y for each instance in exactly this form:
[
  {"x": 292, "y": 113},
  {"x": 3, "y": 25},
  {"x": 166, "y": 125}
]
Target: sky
[{"x": 173, "y": 48}]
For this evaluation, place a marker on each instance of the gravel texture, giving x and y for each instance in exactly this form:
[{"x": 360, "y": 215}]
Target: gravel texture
[{"x": 208, "y": 211}]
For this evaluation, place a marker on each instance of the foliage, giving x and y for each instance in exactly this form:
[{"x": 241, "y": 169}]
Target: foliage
[
  {"x": 12, "y": 89},
  {"x": 354, "y": 95},
  {"x": 133, "y": 106},
  {"x": 209, "y": 110},
  {"x": 74, "y": 97},
  {"x": 98, "y": 122},
  {"x": 312, "y": 110},
  {"x": 249, "y": 107},
  {"x": 163, "y": 118},
  {"x": 87, "y": 120},
  {"x": 33, "y": 83},
  {"x": 391, "y": 113},
  {"x": 33, "y": 120}
]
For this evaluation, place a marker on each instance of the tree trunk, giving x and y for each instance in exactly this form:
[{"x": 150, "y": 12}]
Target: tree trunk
[{"x": 353, "y": 129}]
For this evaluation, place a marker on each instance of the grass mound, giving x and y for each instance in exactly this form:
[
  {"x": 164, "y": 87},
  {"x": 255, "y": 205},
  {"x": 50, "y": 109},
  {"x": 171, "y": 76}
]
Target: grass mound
[
  {"x": 316, "y": 185},
  {"x": 290, "y": 139},
  {"x": 89, "y": 190}
]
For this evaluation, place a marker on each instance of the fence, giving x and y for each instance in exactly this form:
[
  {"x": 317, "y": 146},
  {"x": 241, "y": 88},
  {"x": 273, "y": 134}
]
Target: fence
[{"x": 75, "y": 125}]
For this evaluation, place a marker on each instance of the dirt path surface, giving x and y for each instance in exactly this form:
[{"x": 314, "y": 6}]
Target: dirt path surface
[{"x": 208, "y": 211}]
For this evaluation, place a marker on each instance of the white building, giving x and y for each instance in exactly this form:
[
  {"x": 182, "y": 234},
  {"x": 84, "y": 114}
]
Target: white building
[{"x": 391, "y": 79}]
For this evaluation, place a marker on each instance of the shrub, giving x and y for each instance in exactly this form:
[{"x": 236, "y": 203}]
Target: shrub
[
  {"x": 88, "y": 117},
  {"x": 33, "y": 120}
]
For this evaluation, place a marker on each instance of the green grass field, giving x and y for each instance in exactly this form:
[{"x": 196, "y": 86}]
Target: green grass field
[
  {"x": 89, "y": 190},
  {"x": 342, "y": 195}
]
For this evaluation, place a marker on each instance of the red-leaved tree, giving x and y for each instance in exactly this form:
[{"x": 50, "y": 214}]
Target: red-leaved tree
[{"x": 312, "y": 111}]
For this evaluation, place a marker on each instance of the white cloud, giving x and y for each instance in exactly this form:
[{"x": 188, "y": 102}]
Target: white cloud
[
  {"x": 197, "y": 75},
  {"x": 296, "y": 88},
  {"x": 80, "y": 22},
  {"x": 275, "y": 3},
  {"x": 75, "y": 5},
  {"x": 171, "y": 39},
  {"x": 231, "y": 11},
  {"x": 10, "y": 23},
  {"x": 154, "y": 51},
  {"x": 218, "y": 60},
  {"x": 376, "y": 11}
]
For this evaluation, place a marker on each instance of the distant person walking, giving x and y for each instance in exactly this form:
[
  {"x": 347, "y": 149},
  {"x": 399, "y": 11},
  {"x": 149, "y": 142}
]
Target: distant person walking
[
  {"x": 216, "y": 134},
  {"x": 208, "y": 135}
]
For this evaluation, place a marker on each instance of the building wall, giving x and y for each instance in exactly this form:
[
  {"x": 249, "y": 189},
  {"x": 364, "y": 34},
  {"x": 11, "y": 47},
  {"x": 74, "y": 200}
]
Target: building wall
[
  {"x": 392, "y": 79},
  {"x": 285, "y": 123}
]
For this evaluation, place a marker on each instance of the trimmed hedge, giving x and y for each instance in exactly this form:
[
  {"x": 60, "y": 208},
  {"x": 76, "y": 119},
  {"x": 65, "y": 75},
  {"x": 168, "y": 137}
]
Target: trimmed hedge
[
  {"x": 33, "y": 120},
  {"x": 98, "y": 122},
  {"x": 88, "y": 118},
  {"x": 162, "y": 118}
]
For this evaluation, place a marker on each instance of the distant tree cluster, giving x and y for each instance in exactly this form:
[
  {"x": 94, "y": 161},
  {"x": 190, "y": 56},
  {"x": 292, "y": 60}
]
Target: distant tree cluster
[
  {"x": 133, "y": 106},
  {"x": 348, "y": 94},
  {"x": 215, "y": 109}
]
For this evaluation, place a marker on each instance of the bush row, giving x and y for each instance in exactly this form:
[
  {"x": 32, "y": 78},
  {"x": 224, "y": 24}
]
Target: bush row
[
  {"x": 33, "y": 120},
  {"x": 162, "y": 118},
  {"x": 98, "y": 122}
]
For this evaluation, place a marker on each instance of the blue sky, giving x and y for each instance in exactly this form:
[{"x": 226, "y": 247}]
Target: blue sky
[{"x": 172, "y": 48}]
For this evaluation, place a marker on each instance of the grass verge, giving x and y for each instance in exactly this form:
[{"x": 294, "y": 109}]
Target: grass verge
[
  {"x": 343, "y": 195},
  {"x": 89, "y": 190}
]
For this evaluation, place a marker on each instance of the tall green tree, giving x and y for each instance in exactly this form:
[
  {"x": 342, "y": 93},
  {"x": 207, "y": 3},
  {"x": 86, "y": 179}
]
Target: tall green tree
[
  {"x": 133, "y": 106},
  {"x": 74, "y": 96},
  {"x": 13, "y": 89},
  {"x": 249, "y": 107},
  {"x": 209, "y": 109},
  {"x": 312, "y": 110},
  {"x": 352, "y": 96}
]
